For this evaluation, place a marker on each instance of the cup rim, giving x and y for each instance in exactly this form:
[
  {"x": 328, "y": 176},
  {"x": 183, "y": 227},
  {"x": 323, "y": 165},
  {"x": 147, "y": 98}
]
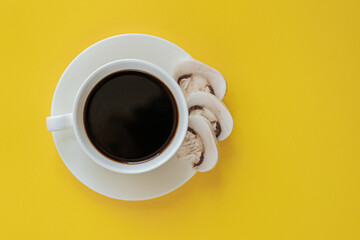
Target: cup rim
[{"x": 135, "y": 65}]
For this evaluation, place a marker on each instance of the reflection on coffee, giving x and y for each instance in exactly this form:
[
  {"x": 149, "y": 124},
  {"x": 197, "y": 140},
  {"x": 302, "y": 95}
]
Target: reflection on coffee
[{"x": 130, "y": 116}]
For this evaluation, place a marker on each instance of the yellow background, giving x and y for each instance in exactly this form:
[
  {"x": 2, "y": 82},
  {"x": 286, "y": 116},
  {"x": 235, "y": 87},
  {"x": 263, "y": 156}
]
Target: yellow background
[{"x": 291, "y": 168}]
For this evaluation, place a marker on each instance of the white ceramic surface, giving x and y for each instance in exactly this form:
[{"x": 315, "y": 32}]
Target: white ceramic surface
[
  {"x": 160, "y": 181},
  {"x": 76, "y": 118}
]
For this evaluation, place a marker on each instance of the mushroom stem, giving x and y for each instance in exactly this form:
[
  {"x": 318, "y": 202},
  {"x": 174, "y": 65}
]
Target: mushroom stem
[{"x": 200, "y": 145}]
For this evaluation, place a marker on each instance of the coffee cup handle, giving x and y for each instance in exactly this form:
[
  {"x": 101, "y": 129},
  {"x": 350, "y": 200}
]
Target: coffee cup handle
[{"x": 59, "y": 122}]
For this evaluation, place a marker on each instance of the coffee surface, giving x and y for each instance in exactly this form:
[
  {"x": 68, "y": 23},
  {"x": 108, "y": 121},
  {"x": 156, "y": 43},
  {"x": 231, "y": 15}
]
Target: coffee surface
[{"x": 130, "y": 116}]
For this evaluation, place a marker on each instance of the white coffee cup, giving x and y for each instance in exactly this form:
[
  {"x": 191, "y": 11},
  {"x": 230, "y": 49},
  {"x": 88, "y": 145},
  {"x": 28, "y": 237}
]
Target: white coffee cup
[{"x": 76, "y": 118}]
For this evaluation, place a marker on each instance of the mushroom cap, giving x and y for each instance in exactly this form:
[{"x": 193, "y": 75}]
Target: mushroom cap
[
  {"x": 212, "y": 103},
  {"x": 203, "y": 128},
  {"x": 196, "y": 68}
]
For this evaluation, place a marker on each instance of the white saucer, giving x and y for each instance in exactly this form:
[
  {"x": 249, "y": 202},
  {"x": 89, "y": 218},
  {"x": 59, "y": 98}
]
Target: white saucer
[{"x": 148, "y": 185}]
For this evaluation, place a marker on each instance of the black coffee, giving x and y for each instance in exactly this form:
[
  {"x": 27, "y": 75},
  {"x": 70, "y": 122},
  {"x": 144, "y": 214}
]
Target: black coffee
[{"x": 130, "y": 116}]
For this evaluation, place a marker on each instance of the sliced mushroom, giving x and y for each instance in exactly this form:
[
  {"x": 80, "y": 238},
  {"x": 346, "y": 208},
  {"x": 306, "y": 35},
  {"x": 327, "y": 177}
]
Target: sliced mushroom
[
  {"x": 190, "y": 84},
  {"x": 210, "y": 107},
  {"x": 193, "y": 76},
  {"x": 200, "y": 145}
]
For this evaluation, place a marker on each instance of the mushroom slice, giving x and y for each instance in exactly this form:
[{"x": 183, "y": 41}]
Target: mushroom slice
[
  {"x": 193, "y": 76},
  {"x": 200, "y": 145},
  {"x": 210, "y": 107}
]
